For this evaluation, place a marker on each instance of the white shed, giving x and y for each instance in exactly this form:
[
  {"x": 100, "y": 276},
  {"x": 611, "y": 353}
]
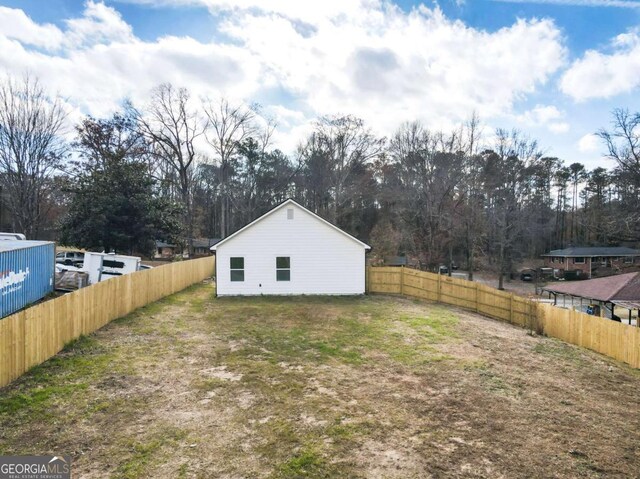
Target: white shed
[{"x": 290, "y": 250}]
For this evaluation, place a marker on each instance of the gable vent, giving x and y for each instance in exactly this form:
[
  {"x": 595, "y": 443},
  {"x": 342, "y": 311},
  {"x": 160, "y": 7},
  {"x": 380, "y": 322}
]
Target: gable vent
[{"x": 289, "y": 213}]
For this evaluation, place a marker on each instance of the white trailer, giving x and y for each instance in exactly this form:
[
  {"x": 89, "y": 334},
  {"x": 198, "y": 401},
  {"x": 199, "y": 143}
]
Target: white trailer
[
  {"x": 12, "y": 236},
  {"x": 103, "y": 266}
]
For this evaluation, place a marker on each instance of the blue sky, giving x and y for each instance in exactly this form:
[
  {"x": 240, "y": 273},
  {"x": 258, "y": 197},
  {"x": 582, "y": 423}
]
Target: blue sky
[{"x": 552, "y": 68}]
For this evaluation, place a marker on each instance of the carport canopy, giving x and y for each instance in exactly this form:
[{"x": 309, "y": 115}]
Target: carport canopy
[{"x": 621, "y": 290}]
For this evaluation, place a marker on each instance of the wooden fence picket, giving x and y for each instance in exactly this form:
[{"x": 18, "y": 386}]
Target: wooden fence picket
[
  {"x": 613, "y": 339},
  {"x": 32, "y": 336}
]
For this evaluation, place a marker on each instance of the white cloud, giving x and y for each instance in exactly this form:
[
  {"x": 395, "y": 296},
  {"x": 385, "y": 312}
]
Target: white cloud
[
  {"x": 589, "y": 143},
  {"x": 285, "y": 117},
  {"x": 306, "y": 11},
  {"x": 547, "y": 116},
  {"x": 541, "y": 114},
  {"x": 99, "y": 24},
  {"x": 633, "y": 4},
  {"x": 16, "y": 25},
  {"x": 96, "y": 72},
  {"x": 560, "y": 127},
  {"x": 300, "y": 60},
  {"x": 388, "y": 66},
  {"x": 603, "y": 75}
]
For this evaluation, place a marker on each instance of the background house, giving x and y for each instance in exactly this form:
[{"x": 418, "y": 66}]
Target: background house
[
  {"x": 290, "y": 250},
  {"x": 164, "y": 250},
  {"x": 202, "y": 246},
  {"x": 594, "y": 261}
]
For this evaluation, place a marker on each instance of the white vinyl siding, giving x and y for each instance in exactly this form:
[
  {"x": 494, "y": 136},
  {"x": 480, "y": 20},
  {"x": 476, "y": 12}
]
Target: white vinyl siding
[{"x": 322, "y": 260}]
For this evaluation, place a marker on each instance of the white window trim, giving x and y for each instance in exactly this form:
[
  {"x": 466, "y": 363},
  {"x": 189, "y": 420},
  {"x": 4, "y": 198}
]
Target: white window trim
[
  {"x": 236, "y": 269},
  {"x": 283, "y": 269}
]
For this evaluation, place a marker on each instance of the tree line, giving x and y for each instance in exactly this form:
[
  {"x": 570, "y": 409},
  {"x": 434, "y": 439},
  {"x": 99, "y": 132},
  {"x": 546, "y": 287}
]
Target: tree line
[{"x": 178, "y": 168}]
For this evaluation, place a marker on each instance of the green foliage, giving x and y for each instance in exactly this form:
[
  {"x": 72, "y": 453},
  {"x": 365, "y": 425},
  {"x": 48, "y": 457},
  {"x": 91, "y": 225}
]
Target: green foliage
[
  {"x": 62, "y": 377},
  {"x": 143, "y": 452},
  {"x": 114, "y": 204},
  {"x": 307, "y": 463}
]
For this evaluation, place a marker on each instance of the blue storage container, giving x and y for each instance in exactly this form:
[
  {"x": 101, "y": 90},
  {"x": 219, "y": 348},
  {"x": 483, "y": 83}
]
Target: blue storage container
[{"x": 27, "y": 273}]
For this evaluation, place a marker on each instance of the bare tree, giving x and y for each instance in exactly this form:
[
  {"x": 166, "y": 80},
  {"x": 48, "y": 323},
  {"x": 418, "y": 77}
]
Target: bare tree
[
  {"x": 623, "y": 146},
  {"x": 346, "y": 146},
  {"x": 430, "y": 169},
  {"x": 472, "y": 217},
  {"x": 578, "y": 175},
  {"x": 504, "y": 173},
  {"x": 227, "y": 128},
  {"x": 31, "y": 149},
  {"x": 172, "y": 127},
  {"x": 623, "y": 142}
]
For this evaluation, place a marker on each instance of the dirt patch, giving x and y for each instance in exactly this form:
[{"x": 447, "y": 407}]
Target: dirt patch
[
  {"x": 324, "y": 387},
  {"x": 220, "y": 372}
]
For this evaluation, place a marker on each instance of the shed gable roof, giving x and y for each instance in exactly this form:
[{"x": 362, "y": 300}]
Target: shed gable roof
[{"x": 277, "y": 208}]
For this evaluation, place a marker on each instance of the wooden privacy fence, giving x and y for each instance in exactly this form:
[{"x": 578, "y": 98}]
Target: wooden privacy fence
[
  {"x": 607, "y": 337},
  {"x": 35, "y": 334}
]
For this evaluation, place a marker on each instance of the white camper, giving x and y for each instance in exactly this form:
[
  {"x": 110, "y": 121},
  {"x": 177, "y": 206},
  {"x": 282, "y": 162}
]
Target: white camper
[
  {"x": 103, "y": 266},
  {"x": 12, "y": 236}
]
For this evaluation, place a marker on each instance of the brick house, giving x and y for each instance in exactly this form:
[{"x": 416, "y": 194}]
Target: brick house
[
  {"x": 202, "y": 246},
  {"x": 164, "y": 250},
  {"x": 594, "y": 261}
]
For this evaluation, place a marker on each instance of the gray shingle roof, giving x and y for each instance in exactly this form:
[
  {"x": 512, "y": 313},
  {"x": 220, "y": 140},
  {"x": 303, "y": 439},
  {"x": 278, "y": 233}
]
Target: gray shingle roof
[
  {"x": 162, "y": 244},
  {"x": 204, "y": 242},
  {"x": 594, "y": 251}
]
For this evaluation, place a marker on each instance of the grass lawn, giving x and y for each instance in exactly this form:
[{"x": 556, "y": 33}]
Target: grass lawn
[{"x": 194, "y": 386}]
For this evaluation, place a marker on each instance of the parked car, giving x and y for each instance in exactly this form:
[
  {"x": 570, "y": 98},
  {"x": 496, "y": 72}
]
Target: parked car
[
  {"x": 546, "y": 273},
  {"x": 443, "y": 269},
  {"x": 70, "y": 258},
  {"x": 574, "y": 275},
  {"x": 528, "y": 275}
]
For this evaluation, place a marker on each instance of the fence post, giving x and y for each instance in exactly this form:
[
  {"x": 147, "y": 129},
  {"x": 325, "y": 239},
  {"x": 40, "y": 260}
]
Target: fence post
[
  {"x": 367, "y": 279},
  {"x": 439, "y": 287},
  {"x": 533, "y": 316},
  {"x": 475, "y": 297},
  {"x": 402, "y": 280},
  {"x": 511, "y": 308}
]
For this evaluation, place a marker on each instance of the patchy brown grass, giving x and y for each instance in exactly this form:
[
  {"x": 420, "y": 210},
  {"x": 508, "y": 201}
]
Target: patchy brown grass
[{"x": 194, "y": 386}]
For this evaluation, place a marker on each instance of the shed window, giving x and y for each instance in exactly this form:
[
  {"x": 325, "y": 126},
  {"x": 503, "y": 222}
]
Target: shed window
[
  {"x": 289, "y": 213},
  {"x": 578, "y": 260},
  {"x": 283, "y": 268},
  {"x": 237, "y": 269}
]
